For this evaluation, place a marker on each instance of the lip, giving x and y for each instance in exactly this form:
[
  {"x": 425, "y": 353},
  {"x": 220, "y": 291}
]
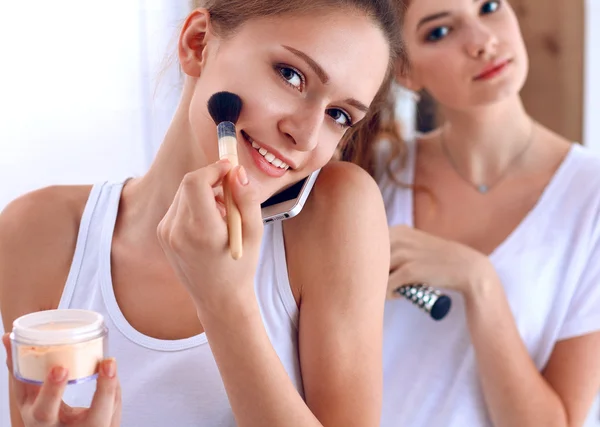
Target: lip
[
  {"x": 261, "y": 162},
  {"x": 493, "y": 69}
]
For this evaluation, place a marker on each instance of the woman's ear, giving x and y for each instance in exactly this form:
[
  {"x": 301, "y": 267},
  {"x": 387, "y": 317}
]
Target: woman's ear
[
  {"x": 404, "y": 77},
  {"x": 192, "y": 42}
]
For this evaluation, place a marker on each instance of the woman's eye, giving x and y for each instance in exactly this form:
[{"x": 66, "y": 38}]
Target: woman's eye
[
  {"x": 340, "y": 117},
  {"x": 490, "y": 7},
  {"x": 438, "y": 34},
  {"x": 291, "y": 77}
]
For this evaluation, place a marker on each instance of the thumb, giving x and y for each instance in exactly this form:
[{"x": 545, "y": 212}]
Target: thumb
[{"x": 245, "y": 199}]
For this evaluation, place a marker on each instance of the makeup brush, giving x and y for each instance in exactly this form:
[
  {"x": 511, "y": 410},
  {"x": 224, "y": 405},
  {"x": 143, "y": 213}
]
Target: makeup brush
[
  {"x": 225, "y": 109},
  {"x": 428, "y": 299}
]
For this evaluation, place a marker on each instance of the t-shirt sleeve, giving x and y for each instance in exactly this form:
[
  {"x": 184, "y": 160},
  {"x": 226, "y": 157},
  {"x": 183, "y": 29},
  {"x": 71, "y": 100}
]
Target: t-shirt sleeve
[{"x": 583, "y": 315}]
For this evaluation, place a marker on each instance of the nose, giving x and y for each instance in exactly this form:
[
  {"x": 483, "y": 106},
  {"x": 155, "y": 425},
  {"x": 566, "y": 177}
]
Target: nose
[
  {"x": 302, "y": 126},
  {"x": 481, "y": 43}
]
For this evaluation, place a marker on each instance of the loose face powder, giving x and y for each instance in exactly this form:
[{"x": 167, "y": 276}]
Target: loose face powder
[{"x": 72, "y": 339}]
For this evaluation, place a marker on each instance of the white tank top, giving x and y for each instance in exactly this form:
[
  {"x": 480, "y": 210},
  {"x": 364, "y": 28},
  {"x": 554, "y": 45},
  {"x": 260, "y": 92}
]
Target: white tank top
[
  {"x": 550, "y": 270},
  {"x": 170, "y": 383}
]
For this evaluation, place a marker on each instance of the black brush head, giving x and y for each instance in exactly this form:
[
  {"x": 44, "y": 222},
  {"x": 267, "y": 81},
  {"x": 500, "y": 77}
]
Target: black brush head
[{"x": 225, "y": 107}]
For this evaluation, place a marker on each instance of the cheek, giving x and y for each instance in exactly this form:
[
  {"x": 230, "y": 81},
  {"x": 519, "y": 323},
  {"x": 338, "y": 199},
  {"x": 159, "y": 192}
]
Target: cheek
[
  {"x": 325, "y": 151},
  {"x": 441, "y": 74},
  {"x": 202, "y": 125}
]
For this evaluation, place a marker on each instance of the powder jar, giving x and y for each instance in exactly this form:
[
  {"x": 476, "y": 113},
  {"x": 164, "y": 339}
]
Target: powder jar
[{"x": 72, "y": 339}]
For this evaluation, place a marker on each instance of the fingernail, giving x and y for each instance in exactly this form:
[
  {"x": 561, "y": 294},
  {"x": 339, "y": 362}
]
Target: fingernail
[
  {"x": 242, "y": 175},
  {"x": 110, "y": 368},
  {"x": 58, "y": 374}
]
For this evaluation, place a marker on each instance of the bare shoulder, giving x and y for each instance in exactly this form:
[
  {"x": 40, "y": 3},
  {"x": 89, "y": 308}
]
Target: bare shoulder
[
  {"x": 38, "y": 233},
  {"x": 341, "y": 231},
  {"x": 344, "y": 194}
]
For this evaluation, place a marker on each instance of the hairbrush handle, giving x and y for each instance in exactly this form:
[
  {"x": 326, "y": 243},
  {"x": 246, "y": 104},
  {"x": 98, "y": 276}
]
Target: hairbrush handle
[{"x": 428, "y": 299}]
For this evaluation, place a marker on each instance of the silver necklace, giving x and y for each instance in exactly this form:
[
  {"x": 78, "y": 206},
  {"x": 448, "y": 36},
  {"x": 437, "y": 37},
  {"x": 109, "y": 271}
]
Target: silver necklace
[{"x": 485, "y": 188}]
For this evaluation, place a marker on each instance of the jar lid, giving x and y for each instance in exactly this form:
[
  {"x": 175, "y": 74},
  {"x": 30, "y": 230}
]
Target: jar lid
[{"x": 66, "y": 326}]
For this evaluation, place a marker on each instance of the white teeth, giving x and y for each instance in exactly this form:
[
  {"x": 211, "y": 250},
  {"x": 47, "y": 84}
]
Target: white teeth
[{"x": 269, "y": 157}]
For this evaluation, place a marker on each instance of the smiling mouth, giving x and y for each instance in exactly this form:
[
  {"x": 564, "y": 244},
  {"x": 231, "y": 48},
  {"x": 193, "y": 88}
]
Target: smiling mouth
[{"x": 269, "y": 157}]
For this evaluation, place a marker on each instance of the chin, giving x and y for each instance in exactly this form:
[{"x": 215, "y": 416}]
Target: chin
[{"x": 497, "y": 93}]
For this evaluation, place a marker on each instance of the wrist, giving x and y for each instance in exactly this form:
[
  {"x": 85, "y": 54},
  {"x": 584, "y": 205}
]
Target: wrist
[
  {"x": 231, "y": 307},
  {"x": 482, "y": 284}
]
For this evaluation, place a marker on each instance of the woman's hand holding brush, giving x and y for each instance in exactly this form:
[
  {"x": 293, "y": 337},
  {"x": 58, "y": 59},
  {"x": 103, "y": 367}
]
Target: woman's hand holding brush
[
  {"x": 418, "y": 257},
  {"x": 194, "y": 236}
]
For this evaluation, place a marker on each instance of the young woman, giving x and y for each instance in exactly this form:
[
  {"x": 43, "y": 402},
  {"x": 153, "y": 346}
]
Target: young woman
[
  {"x": 294, "y": 327},
  {"x": 504, "y": 215}
]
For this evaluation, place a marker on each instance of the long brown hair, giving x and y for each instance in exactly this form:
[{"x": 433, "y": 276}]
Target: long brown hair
[
  {"x": 357, "y": 144},
  {"x": 360, "y": 145}
]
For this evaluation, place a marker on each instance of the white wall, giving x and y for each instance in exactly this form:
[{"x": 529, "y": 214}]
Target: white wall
[
  {"x": 76, "y": 85},
  {"x": 77, "y": 94}
]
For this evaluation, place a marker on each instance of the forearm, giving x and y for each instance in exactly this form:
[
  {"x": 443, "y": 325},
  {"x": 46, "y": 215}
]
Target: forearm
[
  {"x": 515, "y": 392},
  {"x": 259, "y": 389}
]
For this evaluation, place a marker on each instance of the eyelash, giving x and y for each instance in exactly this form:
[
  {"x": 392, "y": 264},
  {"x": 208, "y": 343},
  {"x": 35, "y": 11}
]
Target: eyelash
[
  {"x": 279, "y": 68},
  {"x": 432, "y": 39}
]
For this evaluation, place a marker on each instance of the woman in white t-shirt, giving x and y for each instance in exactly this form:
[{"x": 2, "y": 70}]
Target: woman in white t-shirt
[{"x": 502, "y": 214}]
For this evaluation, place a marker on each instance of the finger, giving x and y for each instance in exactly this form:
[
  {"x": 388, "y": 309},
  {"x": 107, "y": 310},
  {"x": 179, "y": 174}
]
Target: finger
[
  {"x": 398, "y": 257},
  {"x": 103, "y": 402},
  {"x": 70, "y": 415},
  {"x": 220, "y": 199},
  {"x": 8, "y": 348},
  {"x": 198, "y": 199},
  {"x": 19, "y": 389},
  {"x": 392, "y": 288},
  {"x": 402, "y": 236},
  {"x": 46, "y": 407},
  {"x": 212, "y": 174},
  {"x": 248, "y": 205},
  {"x": 400, "y": 277}
]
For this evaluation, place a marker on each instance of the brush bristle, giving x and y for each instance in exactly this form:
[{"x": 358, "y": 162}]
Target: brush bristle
[{"x": 225, "y": 107}]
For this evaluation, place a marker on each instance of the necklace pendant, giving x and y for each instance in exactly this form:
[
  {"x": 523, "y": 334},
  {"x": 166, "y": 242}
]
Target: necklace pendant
[{"x": 482, "y": 188}]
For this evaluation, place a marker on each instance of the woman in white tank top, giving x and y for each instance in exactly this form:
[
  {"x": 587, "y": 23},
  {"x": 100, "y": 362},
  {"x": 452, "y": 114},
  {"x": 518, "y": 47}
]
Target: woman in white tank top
[
  {"x": 295, "y": 325},
  {"x": 504, "y": 216}
]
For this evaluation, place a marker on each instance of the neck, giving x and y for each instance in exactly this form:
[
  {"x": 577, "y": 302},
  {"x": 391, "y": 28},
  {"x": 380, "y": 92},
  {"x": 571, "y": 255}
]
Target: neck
[
  {"x": 484, "y": 141},
  {"x": 146, "y": 200}
]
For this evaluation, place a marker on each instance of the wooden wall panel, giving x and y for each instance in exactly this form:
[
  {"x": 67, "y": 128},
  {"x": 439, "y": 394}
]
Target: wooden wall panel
[{"x": 554, "y": 34}]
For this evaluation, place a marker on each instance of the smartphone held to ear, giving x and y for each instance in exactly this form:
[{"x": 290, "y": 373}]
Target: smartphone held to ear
[{"x": 289, "y": 202}]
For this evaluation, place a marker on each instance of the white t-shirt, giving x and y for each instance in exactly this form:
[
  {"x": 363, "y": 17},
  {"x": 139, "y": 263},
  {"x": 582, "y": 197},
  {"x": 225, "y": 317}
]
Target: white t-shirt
[{"x": 550, "y": 269}]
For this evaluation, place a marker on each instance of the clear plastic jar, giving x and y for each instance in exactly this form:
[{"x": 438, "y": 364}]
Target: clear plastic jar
[{"x": 73, "y": 339}]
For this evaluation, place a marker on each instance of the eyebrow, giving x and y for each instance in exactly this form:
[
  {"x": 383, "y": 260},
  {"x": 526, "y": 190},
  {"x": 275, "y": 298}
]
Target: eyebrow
[
  {"x": 323, "y": 76},
  {"x": 319, "y": 71},
  {"x": 432, "y": 18},
  {"x": 357, "y": 104},
  {"x": 436, "y": 16}
]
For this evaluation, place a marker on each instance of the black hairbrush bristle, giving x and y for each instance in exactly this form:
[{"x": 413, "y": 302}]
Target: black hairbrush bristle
[{"x": 225, "y": 107}]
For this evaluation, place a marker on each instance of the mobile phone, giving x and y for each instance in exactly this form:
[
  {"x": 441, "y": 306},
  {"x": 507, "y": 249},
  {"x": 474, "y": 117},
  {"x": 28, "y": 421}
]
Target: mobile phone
[{"x": 289, "y": 202}]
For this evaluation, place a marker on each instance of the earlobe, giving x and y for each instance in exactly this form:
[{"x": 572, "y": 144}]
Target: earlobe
[
  {"x": 192, "y": 42},
  {"x": 404, "y": 78}
]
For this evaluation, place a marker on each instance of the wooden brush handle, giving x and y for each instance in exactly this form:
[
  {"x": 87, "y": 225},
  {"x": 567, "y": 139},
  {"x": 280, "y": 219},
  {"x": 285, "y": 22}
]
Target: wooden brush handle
[{"x": 234, "y": 219}]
